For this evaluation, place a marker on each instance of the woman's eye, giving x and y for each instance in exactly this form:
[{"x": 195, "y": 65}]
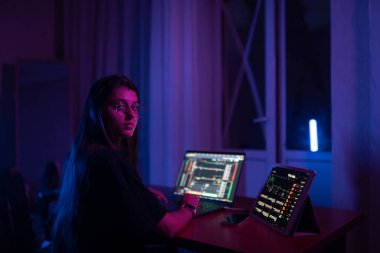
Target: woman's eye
[
  {"x": 135, "y": 108},
  {"x": 118, "y": 107},
  {"x": 121, "y": 107}
]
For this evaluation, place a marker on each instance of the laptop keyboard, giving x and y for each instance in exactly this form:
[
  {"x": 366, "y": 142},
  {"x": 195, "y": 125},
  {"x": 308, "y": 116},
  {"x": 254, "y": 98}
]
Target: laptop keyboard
[
  {"x": 204, "y": 206},
  {"x": 207, "y": 207}
]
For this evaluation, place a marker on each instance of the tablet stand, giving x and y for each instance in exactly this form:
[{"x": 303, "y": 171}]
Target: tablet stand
[{"x": 306, "y": 221}]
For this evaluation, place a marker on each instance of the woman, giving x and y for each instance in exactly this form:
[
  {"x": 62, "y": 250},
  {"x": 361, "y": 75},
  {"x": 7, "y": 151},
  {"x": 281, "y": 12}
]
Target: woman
[{"x": 103, "y": 205}]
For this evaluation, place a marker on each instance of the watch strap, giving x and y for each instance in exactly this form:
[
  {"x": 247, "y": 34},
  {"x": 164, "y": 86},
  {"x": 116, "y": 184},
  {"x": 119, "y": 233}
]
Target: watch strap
[{"x": 190, "y": 208}]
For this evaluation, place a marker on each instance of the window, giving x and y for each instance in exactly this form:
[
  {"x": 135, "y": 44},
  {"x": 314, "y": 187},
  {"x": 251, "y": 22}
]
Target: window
[
  {"x": 305, "y": 87},
  {"x": 244, "y": 74},
  {"x": 307, "y": 28}
]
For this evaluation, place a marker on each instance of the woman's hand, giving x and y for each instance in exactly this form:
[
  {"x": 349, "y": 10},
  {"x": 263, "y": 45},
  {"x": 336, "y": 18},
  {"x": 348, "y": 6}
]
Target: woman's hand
[
  {"x": 190, "y": 199},
  {"x": 175, "y": 221},
  {"x": 159, "y": 195}
]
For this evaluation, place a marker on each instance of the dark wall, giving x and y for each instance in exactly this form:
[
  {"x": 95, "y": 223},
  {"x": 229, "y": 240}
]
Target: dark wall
[
  {"x": 7, "y": 118},
  {"x": 27, "y": 32}
]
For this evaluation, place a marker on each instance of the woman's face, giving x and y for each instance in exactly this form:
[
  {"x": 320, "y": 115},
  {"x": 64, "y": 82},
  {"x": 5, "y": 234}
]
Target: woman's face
[{"x": 120, "y": 113}]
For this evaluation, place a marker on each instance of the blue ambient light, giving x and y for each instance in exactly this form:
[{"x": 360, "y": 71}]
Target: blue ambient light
[{"x": 313, "y": 131}]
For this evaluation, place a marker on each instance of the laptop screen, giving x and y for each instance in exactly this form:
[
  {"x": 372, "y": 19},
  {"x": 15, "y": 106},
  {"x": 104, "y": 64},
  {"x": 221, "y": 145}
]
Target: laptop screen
[{"x": 210, "y": 175}]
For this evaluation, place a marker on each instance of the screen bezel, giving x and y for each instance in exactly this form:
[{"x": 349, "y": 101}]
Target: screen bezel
[
  {"x": 239, "y": 172},
  {"x": 293, "y": 221}
]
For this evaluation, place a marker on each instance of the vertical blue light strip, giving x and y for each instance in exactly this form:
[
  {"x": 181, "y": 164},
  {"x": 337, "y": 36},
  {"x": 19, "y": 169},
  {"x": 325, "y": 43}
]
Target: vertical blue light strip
[{"x": 313, "y": 131}]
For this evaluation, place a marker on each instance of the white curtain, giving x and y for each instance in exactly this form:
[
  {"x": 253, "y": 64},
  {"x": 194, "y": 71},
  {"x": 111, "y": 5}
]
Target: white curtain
[
  {"x": 355, "y": 53},
  {"x": 185, "y": 83}
]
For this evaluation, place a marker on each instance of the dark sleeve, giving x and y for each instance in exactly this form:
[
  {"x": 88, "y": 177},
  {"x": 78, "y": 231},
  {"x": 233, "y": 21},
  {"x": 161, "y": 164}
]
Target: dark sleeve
[{"x": 129, "y": 206}]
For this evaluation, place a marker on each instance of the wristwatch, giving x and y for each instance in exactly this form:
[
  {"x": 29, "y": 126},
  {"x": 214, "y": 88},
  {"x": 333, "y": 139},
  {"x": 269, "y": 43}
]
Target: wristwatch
[{"x": 190, "y": 208}]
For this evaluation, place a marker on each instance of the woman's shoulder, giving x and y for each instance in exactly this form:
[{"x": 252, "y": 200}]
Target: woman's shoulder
[
  {"x": 102, "y": 155},
  {"x": 99, "y": 151},
  {"x": 95, "y": 154},
  {"x": 102, "y": 159}
]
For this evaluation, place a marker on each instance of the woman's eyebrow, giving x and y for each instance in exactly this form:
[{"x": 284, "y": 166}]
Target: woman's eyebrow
[{"x": 123, "y": 100}]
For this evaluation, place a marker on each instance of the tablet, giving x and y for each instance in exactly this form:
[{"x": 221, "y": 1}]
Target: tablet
[{"x": 283, "y": 198}]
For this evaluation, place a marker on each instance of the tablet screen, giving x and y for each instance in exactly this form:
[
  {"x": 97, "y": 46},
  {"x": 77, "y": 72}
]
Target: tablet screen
[{"x": 282, "y": 197}]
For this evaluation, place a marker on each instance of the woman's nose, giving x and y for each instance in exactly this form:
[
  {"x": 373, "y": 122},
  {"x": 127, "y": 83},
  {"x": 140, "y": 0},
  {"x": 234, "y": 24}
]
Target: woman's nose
[{"x": 128, "y": 114}]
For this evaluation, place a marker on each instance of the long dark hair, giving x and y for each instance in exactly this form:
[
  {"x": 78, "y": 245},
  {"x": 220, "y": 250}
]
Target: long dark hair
[{"x": 91, "y": 132}]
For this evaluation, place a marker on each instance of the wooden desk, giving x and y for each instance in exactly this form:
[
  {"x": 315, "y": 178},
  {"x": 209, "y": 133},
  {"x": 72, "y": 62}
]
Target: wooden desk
[{"x": 207, "y": 234}]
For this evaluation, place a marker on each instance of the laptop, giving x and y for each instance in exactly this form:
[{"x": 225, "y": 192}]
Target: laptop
[{"x": 211, "y": 176}]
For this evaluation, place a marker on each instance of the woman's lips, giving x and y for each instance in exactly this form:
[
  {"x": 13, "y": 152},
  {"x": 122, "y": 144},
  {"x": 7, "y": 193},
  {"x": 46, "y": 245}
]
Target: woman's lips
[{"x": 129, "y": 126}]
